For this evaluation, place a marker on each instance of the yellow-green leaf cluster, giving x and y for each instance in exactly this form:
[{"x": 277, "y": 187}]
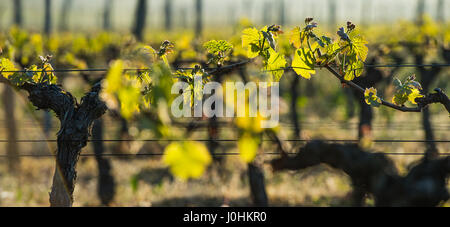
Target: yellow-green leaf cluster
[
  {"x": 187, "y": 159},
  {"x": 370, "y": 95},
  {"x": 121, "y": 90},
  {"x": 409, "y": 90},
  {"x": 353, "y": 51},
  {"x": 7, "y": 65},
  {"x": 217, "y": 46}
]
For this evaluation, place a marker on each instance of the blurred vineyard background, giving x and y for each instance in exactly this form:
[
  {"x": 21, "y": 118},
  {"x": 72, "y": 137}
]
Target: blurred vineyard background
[{"x": 90, "y": 33}]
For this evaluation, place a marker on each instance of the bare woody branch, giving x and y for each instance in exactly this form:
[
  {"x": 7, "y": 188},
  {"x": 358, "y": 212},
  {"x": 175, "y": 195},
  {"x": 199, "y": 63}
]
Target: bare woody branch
[
  {"x": 375, "y": 174},
  {"x": 438, "y": 97}
]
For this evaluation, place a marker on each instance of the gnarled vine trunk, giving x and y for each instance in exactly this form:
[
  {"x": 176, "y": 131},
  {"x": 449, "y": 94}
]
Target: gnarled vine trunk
[{"x": 76, "y": 120}]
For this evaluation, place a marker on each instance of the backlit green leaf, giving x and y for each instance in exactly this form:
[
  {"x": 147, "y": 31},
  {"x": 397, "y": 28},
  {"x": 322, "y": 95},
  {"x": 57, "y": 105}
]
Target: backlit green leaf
[
  {"x": 275, "y": 64},
  {"x": 303, "y": 63},
  {"x": 371, "y": 97},
  {"x": 187, "y": 159},
  {"x": 248, "y": 147},
  {"x": 250, "y": 40}
]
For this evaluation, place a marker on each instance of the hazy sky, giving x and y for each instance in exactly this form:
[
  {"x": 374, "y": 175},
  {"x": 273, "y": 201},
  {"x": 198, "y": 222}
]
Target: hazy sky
[{"x": 86, "y": 14}]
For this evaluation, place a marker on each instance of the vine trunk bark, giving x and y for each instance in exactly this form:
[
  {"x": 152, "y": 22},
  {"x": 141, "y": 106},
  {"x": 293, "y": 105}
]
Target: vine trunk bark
[{"x": 76, "y": 120}]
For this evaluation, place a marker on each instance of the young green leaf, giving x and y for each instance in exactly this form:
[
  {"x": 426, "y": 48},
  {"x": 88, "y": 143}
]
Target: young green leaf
[
  {"x": 303, "y": 63},
  {"x": 371, "y": 97},
  {"x": 354, "y": 69},
  {"x": 217, "y": 46},
  {"x": 275, "y": 64},
  {"x": 250, "y": 40},
  {"x": 358, "y": 45},
  {"x": 296, "y": 37},
  {"x": 408, "y": 90}
]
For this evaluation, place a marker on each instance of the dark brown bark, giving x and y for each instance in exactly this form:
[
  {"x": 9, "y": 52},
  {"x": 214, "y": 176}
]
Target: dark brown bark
[
  {"x": 438, "y": 97},
  {"x": 257, "y": 185},
  {"x": 369, "y": 79},
  {"x": 106, "y": 184},
  {"x": 427, "y": 76},
  {"x": 254, "y": 171},
  {"x": 375, "y": 174},
  {"x": 76, "y": 120}
]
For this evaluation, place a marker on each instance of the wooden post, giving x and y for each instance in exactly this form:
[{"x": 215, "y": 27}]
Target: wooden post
[
  {"x": 168, "y": 15},
  {"x": 48, "y": 17},
  {"x": 106, "y": 184},
  {"x": 198, "y": 17},
  {"x": 294, "y": 113},
  {"x": 440, "y": 17},
  {"x": 282, "y": 13},
  {"x": 107, "y": 11},
  {"x": 63, "y": 18},
  {"x": 8, "y": 97},
  {"x": 420, "y": 11},
  {"x": 141, "y": 16},
  {"x": 332, "y": 13},
  {"x": 18, "y": 12}
]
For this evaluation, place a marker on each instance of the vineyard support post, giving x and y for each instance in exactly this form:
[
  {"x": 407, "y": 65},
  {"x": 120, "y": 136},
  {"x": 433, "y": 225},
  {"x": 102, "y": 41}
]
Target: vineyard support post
[
  {"x": 198, "y": 17},
  {"x": 257, "y": 185},
  {"x": 18, "y": 12},
  {"x": 139, "y": 22},
  {"x": 107, "y": 11},
  {"x": 427, "y": 76},
  {"x": 65, "y": 13},
  {"x": 106, "y": 184},
  {"x": 12, "y": 148},
  {"x": 168, "y": 15},
  {"x": 294, "y": 115}
]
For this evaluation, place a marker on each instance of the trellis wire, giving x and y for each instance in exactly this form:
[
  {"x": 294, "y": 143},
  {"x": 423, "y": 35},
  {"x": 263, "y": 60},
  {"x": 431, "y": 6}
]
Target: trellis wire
[
  {"x": 225, "y": 140},
  {"x": 161, "y": 154},
  {"x": 191, "y": 68},
  {"x": 217, "y": 140}
]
